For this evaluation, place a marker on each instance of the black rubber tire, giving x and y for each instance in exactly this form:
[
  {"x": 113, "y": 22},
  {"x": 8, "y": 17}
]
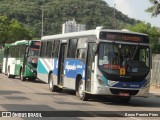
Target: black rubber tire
[
  {"x": 82, "y": 95},
  {"x": 21, "y": 76},
  {"x": 8, "y": 73},
  {"x": 52, "y": 87}
]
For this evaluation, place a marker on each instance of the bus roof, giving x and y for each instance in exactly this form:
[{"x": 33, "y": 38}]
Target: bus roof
[
  {"x": 21, "y": 42},
  {"x": 8, "y": 44},
  {"x": 87, "y": 33},
  {"x": 24, "y": 42}
]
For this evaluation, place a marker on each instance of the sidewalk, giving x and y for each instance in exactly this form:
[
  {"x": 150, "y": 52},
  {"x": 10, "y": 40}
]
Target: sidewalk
[{"x": 154, "y": 90}]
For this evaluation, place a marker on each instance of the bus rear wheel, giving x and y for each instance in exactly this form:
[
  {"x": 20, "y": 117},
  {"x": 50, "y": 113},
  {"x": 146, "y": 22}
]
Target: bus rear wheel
[
  {"x": 82, "y": 95},
  {"x": 8, "y": 73},
  {"x": 21, "y": 76},
  {"x": 52, "y": 87}
]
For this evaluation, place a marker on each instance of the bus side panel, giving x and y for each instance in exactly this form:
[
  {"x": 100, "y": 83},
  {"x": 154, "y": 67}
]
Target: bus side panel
[
  {"x": 4, "y": 65},
  {"x": 11, "y": 65},
  {"x": 43, "y": 69},
  {"x": 17, "y": 67},
  {"x": 72, "y": 68},
  {"x": 30, "y": 70},
  {"x": 55, "y": 71}
]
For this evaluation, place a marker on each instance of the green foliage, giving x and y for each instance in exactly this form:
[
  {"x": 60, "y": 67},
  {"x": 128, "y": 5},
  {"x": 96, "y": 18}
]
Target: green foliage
[
  {"x": 153, "y": 33},
  {"x": 56, "y": 12},
  {"x": 154, "y": 9},
  {"x": 12, "y": 30}
]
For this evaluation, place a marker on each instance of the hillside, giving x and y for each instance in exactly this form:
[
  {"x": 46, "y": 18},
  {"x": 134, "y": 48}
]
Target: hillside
[{"x": 90, "y": 12}]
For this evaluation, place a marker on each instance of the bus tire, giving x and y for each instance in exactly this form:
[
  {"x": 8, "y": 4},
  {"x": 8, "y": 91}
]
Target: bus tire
[
  {"x": 52, "y": 87},
  {"x": 82, "y": 95},
  {"x": 21, "y": 76},
  {"x": 8, "y": 73}
]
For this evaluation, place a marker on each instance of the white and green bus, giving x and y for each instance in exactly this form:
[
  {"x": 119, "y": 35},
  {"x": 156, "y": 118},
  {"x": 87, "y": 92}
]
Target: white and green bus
[{"x": 20, "y": 59}]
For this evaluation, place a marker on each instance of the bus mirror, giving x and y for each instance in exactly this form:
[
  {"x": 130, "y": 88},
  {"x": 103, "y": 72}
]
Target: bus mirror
[
  {"x": 27, "y": 52},
  {"x": 95, "y": 48}
]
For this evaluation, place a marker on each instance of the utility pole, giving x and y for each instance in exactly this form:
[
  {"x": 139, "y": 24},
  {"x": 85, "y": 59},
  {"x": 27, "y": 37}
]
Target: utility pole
[
  {"x": 42, "y": 20},
  {"x": 114, "y": 17}
]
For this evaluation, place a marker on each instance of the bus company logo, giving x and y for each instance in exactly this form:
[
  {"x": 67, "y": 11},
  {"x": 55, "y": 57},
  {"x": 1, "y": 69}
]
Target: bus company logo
[
  {"x": 70, "y": 67},
  {"x": 6, "y": 114},
  {"x": 21, "y": 114}
]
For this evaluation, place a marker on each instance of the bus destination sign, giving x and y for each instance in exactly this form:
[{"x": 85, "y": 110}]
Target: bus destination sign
[{"x": 124, "y": 37}]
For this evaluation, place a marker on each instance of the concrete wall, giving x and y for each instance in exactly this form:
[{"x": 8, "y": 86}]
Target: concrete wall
[{"x": 155, "y": 76}]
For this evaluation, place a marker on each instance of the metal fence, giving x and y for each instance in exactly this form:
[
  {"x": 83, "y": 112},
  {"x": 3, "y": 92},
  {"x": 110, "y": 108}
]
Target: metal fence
[{"x": 155, "y": 74}]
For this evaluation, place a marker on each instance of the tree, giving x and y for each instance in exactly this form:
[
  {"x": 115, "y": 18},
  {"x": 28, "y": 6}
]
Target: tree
[
  {"x": 153, "y": 33},
  {"x": 56, "y": 12},
  {"x": 12, "y": 30},
  {"x": 155, "y": 8}
]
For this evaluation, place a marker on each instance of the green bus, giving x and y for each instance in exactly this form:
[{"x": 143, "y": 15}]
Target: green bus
[{"x": 20, "y": 59}]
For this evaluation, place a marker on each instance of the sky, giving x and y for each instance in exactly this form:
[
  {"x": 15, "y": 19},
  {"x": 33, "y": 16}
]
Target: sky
[{"x": 135, "y": 9}]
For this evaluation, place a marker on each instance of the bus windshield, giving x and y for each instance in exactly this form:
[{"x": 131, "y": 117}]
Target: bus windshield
[
  {"x": 33, "y": 55},
  {"x": 134, "y": 59}
]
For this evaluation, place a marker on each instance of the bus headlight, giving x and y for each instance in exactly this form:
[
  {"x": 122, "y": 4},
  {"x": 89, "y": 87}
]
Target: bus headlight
[{"x": 31, "y": 70}]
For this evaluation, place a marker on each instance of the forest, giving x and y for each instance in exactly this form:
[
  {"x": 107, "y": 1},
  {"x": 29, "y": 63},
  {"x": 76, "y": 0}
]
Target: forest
[
  {"x": 22, "y": 19},
  {"x": 56, "y": 12}
]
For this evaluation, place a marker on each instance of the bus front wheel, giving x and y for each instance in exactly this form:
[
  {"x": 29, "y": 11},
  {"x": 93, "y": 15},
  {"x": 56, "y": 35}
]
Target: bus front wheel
[
  {"x": 82, "y": 95},
  {"x": 21, "y": 76},
  {"x": 8, "y": 73},
  {"x": 52, "y": 87}
]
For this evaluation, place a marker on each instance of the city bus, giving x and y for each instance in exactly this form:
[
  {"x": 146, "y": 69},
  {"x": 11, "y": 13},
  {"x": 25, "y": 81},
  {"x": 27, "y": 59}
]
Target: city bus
[
  {"x": 20, "y": 59},
  {"x": 5, "y": 57},
  {"x": 97, "y": 62},
  {"x": 1, "y": 57}
]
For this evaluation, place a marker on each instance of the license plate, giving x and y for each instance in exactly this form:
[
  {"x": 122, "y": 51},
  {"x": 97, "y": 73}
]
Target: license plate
[{"x": 123, "y": 94}]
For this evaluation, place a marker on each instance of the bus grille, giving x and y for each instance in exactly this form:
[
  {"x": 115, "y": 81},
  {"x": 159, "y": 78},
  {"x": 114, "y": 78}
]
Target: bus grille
[{"x": 117, "y": 91}]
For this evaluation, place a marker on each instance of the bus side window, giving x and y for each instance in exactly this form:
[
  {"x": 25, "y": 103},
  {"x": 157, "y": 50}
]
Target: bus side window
[
  {"x": 81, "y": 53},
  {"x": 49, "y": 49},
  {"x": 56, "y": 48},
  {"x": 43, "y": 49},
  {"x": 72, "y": 48}
]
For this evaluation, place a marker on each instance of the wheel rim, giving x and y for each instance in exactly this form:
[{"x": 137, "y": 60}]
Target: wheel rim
[
  {"x": 8, "y": 72},
  {"x": 50, "y": 83},
  {"x": 21, "y": 75},
  {"x": 81, "y": 90}
]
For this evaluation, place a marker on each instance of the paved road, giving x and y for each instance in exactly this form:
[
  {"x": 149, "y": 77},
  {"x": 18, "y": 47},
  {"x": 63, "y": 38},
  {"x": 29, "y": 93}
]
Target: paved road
[{"x": 16, "y": 95}]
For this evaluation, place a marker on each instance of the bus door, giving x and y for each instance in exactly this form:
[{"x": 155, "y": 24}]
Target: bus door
[
  {"x": 25, "y": 56},
  {"x": 6, "y": 55},
  {"x": 89, "y": 66},
  {"x": 62, "y": 57}
]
